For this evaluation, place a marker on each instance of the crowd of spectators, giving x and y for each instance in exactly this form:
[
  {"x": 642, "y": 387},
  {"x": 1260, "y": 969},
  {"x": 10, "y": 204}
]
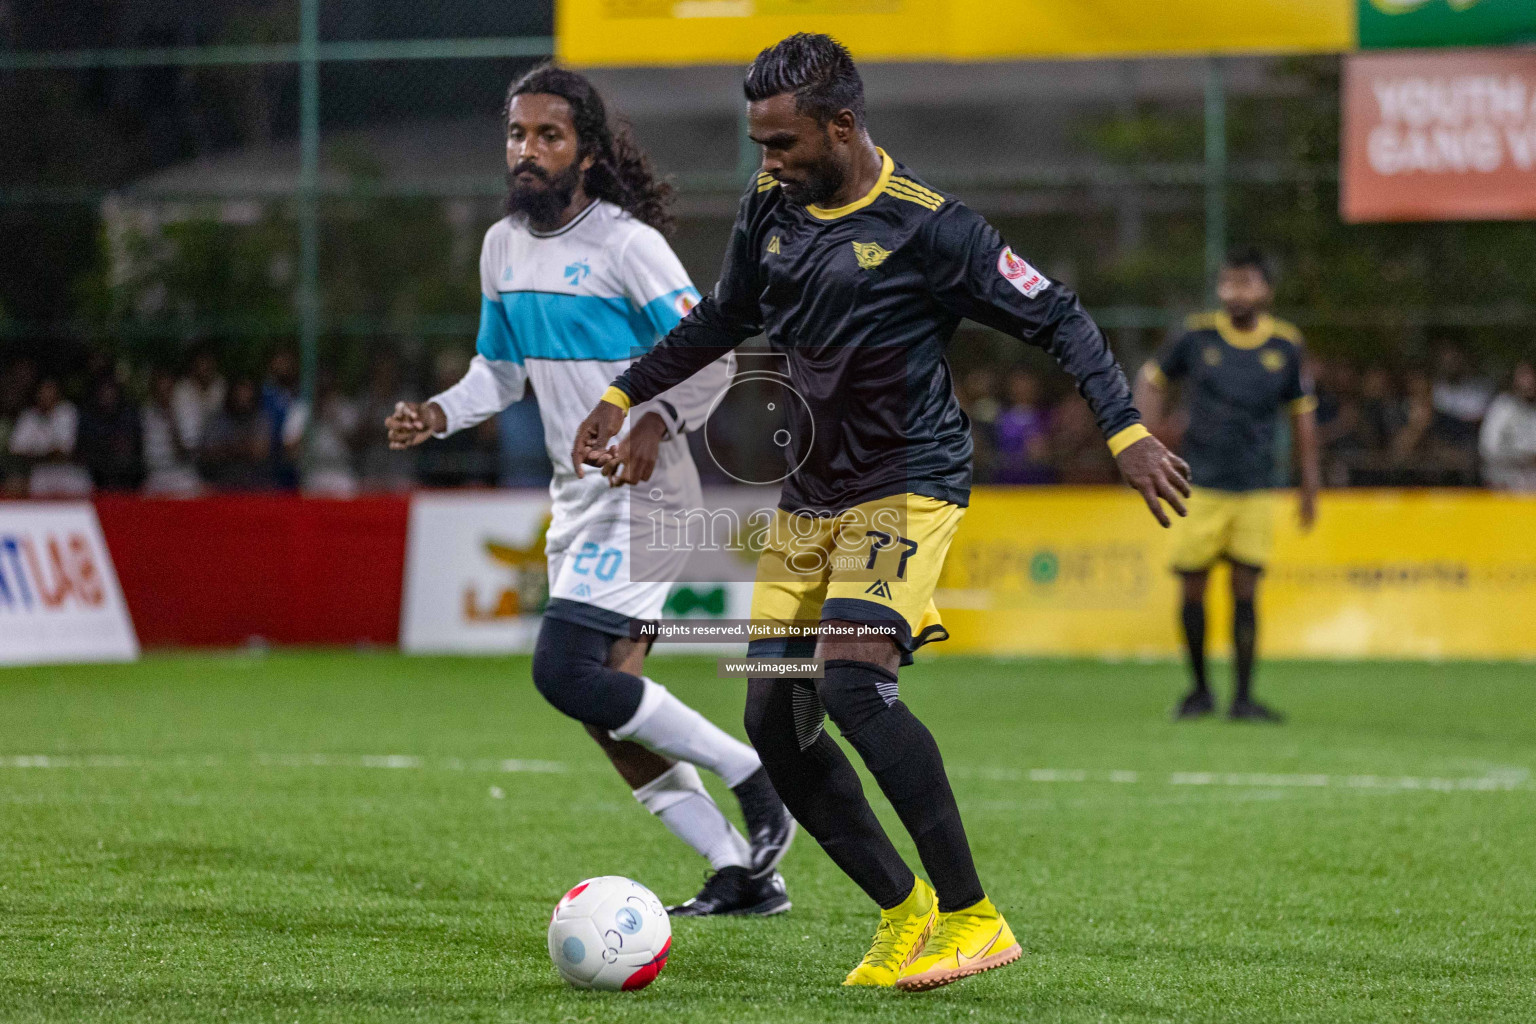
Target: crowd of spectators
[
  {"x": 1441, "y": 425},
  {"x": 185, "y": 433},
  {"x": 196, "y": 428}
]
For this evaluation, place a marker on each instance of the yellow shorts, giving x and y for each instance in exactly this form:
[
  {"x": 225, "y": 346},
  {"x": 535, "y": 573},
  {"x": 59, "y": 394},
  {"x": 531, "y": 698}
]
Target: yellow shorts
[
  {"x": 878, "y": 562},
  {"x": 1236, "y": 525}
]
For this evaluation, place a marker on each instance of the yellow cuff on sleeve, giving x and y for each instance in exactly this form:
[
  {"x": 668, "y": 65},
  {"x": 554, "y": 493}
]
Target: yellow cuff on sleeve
[
  {"x": 1127, "y": 437},
  {"x": 1304, "y": 404},
  {"x": 1154, "y": 373},
  {"x": 614, "y": 396}
]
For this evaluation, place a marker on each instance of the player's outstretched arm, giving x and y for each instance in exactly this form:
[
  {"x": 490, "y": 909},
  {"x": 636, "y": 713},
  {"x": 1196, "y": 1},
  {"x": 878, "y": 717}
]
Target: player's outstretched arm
[{"x": 975, "y": 274}]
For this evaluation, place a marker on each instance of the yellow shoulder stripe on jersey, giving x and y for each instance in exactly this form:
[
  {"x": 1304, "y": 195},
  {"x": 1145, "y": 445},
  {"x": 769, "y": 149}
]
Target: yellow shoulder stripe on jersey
[
  {"x": 1286, "y": 330},
  {"x": 1154, "y": 374},
  {"x": 926, "y": 199},
  {"x": 914, "y": 187},
  {"x": 1127, "y": 437},
  {"x": 766, "y": 181}
]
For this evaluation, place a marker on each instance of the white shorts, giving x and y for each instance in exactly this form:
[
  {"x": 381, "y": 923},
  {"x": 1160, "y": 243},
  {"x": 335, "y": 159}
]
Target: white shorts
[
  {"x": 592, "y": 542},
  {"x": 593, "y": 569}
]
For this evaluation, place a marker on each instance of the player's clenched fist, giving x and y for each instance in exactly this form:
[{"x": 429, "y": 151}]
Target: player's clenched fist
[
  {"x": 592, "y": 437},
  {"x": 1158, "y": 474},
  {"x": 413, "y": 422}
]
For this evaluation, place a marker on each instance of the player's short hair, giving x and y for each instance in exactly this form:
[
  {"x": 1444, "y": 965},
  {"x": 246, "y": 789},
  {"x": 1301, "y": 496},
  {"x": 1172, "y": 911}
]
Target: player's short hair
[
  {"x": 818, "y": 69},
  {"x": 1248, "y": 257}
]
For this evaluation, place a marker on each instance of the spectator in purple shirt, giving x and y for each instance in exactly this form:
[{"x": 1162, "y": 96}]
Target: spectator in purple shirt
[{"x": 1022, "y": 432}]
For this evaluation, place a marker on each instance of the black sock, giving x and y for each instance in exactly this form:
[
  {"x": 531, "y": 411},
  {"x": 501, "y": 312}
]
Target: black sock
[
  {"x": 1193, "y": 616},
  {"x": 1245, "y": 638},
  {"x": 901, "y": 754},
  {"x": 821, "y": 789}
]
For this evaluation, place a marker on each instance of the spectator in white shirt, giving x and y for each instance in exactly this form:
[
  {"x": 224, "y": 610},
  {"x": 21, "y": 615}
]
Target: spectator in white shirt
[
  {"x": 44, "y": 437},
  {"x": 197, "y": 397},
  {"x": 1508, "y": 440},
  {"x": 168, "y": 460}
]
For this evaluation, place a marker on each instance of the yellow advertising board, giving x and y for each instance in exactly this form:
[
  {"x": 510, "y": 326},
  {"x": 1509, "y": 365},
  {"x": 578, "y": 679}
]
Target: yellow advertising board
[
  {"x": 1385, "y": 574},
  {"x": 674, "y": 32}
]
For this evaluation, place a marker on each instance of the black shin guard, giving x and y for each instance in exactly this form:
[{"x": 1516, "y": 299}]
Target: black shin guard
[
  {"x": 570, "y": 669},
  {"x": 901, "y": 754},
  {"x": 1245, "y": 642},
  {"x": 821, "y": 788},
  {"x": 1193, "y": 617}
]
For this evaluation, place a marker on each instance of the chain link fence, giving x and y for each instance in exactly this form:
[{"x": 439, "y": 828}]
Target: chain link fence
[{"x": 301, "y": 186}]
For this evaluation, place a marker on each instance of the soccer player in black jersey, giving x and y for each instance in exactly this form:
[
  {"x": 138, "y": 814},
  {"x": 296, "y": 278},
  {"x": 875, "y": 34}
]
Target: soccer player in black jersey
[
  {"x": 1240, "y": 368},
  {"x": 858, "y": 273}
]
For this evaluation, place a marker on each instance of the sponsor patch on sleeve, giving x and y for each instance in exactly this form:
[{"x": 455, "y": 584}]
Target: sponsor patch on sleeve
[{"x": 1020, "y": 274}]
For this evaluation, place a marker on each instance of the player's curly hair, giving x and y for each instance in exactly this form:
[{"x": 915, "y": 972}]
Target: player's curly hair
[{"x": 620, "y": 172}]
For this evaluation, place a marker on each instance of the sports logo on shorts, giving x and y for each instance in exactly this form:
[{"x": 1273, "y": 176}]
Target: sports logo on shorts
[
  {"x": 1020, "y": 274},
  {"x": 685, "y": 303}
]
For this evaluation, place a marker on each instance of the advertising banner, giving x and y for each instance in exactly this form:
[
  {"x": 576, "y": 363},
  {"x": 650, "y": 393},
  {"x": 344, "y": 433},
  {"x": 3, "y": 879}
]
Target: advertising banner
[
  {"x": 1439, "y": 136},
  {"x": 1385, "y": 574},
  {"x": 476, "y": 577},
  {"x": 675, "y": 32},
  {"x": 1385, "y": 24},
  {"x": 59, "y": 598}
]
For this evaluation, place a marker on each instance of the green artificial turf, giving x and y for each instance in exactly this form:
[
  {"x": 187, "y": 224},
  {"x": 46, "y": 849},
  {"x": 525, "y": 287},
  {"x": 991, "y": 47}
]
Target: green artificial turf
[{"x": 335, "y": 836}]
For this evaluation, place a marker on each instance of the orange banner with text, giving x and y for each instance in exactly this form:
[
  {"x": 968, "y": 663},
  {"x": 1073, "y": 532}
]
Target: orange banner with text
[
  {"x": 1385, "y": 574},
  {"x": 1439, "y": 136}
]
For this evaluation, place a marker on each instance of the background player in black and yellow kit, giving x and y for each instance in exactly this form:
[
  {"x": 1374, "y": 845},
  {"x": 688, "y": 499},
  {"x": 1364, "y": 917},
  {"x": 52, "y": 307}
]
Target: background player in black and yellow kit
[
  {"x": 1239, "y": 368},
  {"x": 859, "y": 273}
]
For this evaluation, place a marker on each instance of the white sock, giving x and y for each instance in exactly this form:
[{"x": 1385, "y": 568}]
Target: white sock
[
  {"x": 679, "y": 799},
  {"x": 668, "y": 726}
]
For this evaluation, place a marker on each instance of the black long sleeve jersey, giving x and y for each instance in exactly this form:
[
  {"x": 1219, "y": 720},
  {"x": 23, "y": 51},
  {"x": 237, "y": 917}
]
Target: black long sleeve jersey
[{"x": 862, "y": 300}]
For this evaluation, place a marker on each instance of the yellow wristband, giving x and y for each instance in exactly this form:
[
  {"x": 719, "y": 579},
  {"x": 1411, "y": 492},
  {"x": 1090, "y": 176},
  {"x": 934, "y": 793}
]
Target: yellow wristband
[
  {"x": 1127, "y": 437},
  {"x": 615, "y": 396}
]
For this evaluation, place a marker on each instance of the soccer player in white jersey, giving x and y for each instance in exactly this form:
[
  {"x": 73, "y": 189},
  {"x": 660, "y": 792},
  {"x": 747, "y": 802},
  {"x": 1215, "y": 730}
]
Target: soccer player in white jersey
[{"x": 576, "y": 282}]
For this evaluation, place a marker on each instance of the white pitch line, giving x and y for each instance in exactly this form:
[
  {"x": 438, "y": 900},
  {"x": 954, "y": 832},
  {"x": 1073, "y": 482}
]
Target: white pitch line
[
  {"x": 390, "y": 761},
  {"x": 1498, "y": 781},
  {"x": 1503, "y": 781}
]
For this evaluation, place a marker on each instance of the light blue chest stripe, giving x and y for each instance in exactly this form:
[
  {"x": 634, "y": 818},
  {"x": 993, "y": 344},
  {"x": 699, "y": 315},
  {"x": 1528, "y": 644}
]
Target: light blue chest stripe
[
  {"x": 495, "y": 338},
  {"x": 554, "y": 325}
]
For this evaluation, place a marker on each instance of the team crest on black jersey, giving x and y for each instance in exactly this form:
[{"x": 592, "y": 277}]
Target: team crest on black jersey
[
  {"x": 870, "y": 254},
  {"x": 1273, "y": 361}
]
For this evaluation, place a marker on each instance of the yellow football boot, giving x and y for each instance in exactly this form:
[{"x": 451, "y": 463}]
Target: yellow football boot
[
  {"x": 899, "y": 937},
  {"x": 963, "y": 943}
]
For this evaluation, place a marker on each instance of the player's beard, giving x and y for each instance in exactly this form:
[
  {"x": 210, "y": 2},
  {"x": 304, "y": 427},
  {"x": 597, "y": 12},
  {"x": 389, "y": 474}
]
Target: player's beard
[
  {"x": 541, "y": 203},
  {"x": 822, "y": 181}
]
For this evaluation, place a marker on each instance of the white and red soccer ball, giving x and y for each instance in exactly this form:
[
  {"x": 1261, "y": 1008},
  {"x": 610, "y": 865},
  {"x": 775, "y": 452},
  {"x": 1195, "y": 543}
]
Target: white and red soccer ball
[{"x": 609, "y": 933}]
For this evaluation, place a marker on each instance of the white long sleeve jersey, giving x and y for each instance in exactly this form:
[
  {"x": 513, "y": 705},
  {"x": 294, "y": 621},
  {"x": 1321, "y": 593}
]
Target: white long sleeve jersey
[{"x": 567, "y": 312}]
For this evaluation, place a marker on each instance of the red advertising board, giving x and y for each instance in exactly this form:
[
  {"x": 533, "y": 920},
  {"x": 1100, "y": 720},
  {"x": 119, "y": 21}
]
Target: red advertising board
[
  {"x": 1447, "y": 135},
  {"x": 221, "y": 570}
]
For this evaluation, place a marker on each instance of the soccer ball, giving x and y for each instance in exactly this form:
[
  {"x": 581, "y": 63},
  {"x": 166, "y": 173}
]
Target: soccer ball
[{"x": 609, "y": 933}]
